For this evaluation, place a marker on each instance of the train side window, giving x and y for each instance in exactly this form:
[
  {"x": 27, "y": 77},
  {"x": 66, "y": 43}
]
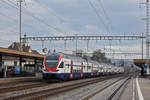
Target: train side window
[{"x": 61, "y": 65}]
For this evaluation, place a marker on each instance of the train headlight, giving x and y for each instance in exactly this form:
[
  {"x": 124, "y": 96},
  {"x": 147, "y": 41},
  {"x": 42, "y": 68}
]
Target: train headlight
[{"x": 57, "y": 70}]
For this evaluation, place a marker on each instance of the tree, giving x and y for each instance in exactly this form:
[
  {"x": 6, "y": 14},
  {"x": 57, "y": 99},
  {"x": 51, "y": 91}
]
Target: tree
[{"x": 99, "y": 56}]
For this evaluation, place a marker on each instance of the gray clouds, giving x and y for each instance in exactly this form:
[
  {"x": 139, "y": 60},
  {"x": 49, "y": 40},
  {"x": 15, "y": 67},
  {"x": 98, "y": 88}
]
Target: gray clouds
[{"x": 71, "y": 16}]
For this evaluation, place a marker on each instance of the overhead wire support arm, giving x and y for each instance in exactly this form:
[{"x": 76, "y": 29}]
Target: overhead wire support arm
[{"x": 66, "y": 38}]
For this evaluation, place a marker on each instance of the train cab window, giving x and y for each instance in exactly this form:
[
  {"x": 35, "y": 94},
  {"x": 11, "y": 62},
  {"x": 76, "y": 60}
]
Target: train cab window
[
  {"x": 51, "y": 61},
  {"x": 61, "y": 65}
]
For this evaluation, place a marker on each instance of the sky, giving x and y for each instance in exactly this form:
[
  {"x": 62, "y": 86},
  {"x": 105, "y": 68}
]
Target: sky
[{"x": 70, "y": 17}]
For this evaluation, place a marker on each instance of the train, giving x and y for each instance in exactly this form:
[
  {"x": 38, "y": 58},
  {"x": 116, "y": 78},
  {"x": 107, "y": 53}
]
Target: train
[{"x": 66, "y": 66}]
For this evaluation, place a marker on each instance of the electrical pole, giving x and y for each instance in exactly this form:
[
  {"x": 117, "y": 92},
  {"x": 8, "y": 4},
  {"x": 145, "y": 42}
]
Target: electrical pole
[
  {"x": 65, "y": 43},
  {"x": 147, "y": 36},
  {"x": 20, "y": 26},
  {"x": 76, "y": 42},
  {"x": 87, "y": 45},
  {"x": 142, "y": 45}
]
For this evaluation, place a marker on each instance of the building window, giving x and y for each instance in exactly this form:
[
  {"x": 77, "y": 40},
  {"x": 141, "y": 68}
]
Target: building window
[{"x": 15, "y": 63}]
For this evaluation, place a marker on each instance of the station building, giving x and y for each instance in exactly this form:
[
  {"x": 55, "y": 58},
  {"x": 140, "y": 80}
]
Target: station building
[{"x": 13, "y": 62}]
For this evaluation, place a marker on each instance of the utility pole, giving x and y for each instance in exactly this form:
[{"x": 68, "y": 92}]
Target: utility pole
[
  {"x": 142, "y": 45},
  {"x": 87, "y": 45},
  {"x": 147, "y": 36},
  {"x": 76, "y": 42},
  {"x": 65, "y": 43},
  {"x": 20, "y": 23},
  {"x": 20, "y": 32}
]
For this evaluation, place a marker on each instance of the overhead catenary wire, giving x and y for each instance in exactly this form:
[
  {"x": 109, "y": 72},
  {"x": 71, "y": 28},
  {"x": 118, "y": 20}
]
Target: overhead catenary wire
[
  {"x": 105, "y": 13},
  {"x": 4, "y": 1},
  {"x": 52, "y": 12},
  {"x": 12, "y": 4},
  {"x": 98, "y": 15},
  {"x": 103, "y": 9},
  {"x": 6, "y": 41},
  {"x": 14, "y": 32},
  {"x": 13, "y": 19},
  {"x": 8, "y": 30},
  {"x": 40, "y": 20}
]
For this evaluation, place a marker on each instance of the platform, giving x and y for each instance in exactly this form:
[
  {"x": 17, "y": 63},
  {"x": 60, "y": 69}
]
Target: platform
[
  {"x": 137, "y": 89},
  {"x": 144, "y": 84}
]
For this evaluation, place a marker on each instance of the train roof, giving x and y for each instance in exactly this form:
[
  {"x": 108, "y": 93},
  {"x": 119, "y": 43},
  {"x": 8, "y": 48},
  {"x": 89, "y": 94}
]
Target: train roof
[
  {"x": 68, "y": 56},
  {"x": 76, "y": 58}
]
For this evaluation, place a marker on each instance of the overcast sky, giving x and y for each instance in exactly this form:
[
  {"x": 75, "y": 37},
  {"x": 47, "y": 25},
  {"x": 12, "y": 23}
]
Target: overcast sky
[{"x": 68, "y": 17}]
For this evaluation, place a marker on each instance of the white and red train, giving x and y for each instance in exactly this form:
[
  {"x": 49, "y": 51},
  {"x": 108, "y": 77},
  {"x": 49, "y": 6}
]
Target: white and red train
[{"x": 63, "y": 66}]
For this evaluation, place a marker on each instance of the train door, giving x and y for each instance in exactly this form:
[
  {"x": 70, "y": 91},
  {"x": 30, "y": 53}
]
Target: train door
[
  {"x": 92, "y": 70},
  {"x": 61, "y": 67},
  {"x": 98, "y": 72},
  {"x": 87, "y": 67},
  {"x": 65, "y": 67},
  {"x": 71, "y": 70},
  {"x": 82, "y": 70}
]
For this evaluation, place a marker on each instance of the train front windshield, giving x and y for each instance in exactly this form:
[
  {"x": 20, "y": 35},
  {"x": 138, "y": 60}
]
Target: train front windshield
[{"x": 51, "y": 61}]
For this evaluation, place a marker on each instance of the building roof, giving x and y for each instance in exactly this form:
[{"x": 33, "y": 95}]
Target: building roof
[
  {"x": 139, "y": 61},
  {"x": 15, "y": 53},
  {"x": 25, "y": 48}
]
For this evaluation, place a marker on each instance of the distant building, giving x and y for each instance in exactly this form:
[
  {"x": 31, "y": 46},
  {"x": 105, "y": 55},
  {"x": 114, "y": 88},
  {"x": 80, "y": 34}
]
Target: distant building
[
  {"x": 78, "y": 53},
  {"x": 25, "y": 48}
]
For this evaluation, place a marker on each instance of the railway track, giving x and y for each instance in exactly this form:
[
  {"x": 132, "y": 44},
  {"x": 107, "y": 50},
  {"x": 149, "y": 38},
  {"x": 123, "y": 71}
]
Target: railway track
[
  {"x": 25, "y": 86},
  {"x": 114, "y": 93},
  {"x": 22, "y": 87},
  {"x": 123, "y": 85},
  {"x": 4, "y": 82},
  {"x": 58, "y": 90}
]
